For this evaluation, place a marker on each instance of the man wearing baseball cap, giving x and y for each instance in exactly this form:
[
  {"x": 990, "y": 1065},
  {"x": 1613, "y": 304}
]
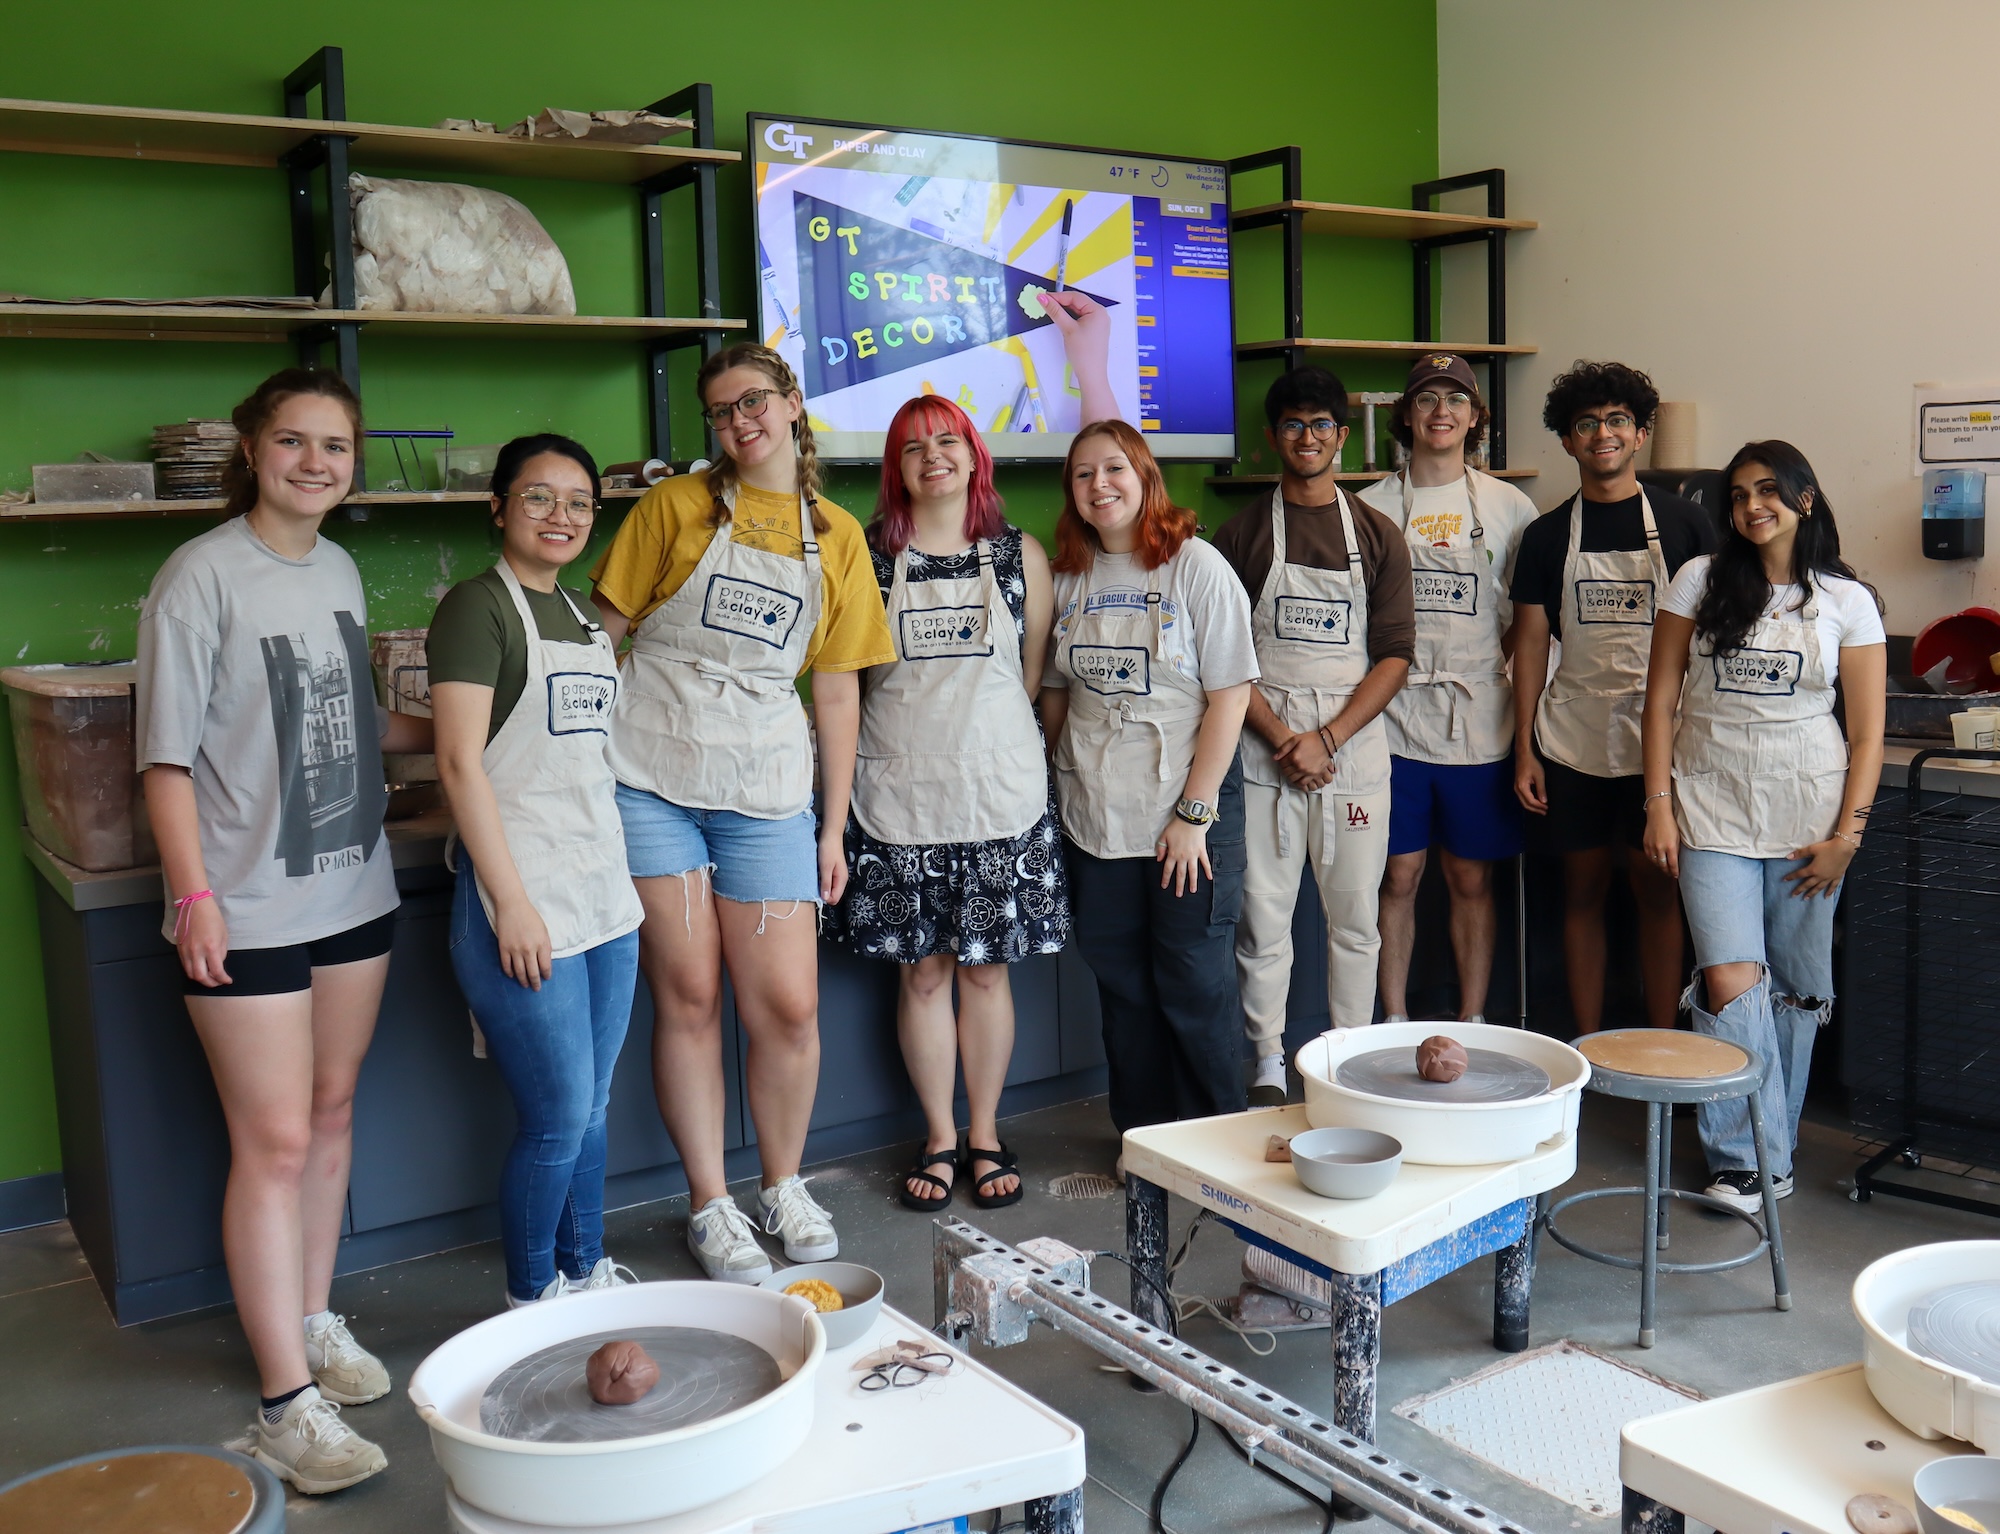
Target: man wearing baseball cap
[{"x": 1451, "y": 729}]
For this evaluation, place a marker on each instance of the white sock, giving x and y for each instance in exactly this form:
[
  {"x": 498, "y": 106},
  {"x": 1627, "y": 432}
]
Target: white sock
[
  {"x": 1271, "y": 1070},
  {"x": 1477, "y": 1017},
  {"x": 316, "y": 1321},
  {"x": 1395, "y": 1017}
]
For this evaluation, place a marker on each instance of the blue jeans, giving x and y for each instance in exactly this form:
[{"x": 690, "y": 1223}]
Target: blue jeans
[
  {"x": 1742, "y": 911},
  {"x": 555, "y": 1048}
]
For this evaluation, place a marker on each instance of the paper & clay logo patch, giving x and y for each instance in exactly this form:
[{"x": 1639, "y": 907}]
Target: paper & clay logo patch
[
  {"x": 1760, "y": 673},
  {"x": 1615, "y": 602},
  {"x": 1112, "y": 669},
  {"x": 942, "y": 633},
  {"x": 579, "y": 702},
  {"x": 1446, "y": 591},
  {"x": 1313, "y": 620},
  {"x": 749, "y": 610}
]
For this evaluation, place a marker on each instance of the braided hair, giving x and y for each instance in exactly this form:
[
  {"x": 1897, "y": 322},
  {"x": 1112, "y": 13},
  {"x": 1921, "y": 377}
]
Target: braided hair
[{"x": 722, "y": 473}]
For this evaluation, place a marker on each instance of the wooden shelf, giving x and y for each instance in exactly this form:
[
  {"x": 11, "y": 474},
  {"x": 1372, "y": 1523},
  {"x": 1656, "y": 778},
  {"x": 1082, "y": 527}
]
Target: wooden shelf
[
  {"x": 169, "y": 322},
  {"x": 1382, "y": 348},
  {"x": 222, "y": 138},
  {"x": 1228, "y": 482},
  {"x": 128, "y": 511},
  {"x": 1356, "y": 221}
]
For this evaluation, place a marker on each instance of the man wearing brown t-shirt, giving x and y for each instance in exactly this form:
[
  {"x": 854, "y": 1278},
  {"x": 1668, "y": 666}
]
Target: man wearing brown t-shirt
[{"x": 1335, "y": 625}]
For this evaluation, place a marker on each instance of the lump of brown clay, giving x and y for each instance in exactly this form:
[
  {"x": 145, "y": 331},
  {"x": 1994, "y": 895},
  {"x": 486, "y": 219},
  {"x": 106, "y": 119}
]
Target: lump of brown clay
[
  {"x": 620, "y": 1373},
  {"x": 1441, "y": 1059}
]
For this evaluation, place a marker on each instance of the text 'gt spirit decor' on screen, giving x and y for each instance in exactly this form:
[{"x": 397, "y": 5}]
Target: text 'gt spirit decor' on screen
[{"x": 899, "y": 263}]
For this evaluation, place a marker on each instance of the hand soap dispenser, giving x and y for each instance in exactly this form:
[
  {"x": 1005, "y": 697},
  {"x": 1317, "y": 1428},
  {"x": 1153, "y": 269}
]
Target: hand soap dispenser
[{"x": 1954, "y": 520}]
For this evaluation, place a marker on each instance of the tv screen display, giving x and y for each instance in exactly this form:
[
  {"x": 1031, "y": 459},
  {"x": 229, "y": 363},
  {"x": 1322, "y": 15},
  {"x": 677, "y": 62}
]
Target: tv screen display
[{"x": 898, "y": 263}]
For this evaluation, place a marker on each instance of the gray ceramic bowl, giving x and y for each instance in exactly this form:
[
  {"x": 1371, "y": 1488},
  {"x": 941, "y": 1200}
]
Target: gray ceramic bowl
[
  {"x": 860, "y": 1287},
  {"x": 1348, "y": 1163},
  {"x": 1967, "y": 1483}
]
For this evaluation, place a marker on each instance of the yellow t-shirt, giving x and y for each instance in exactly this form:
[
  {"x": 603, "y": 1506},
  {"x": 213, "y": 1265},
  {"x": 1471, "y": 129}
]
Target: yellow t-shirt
[{"x": 666, "y": 534}]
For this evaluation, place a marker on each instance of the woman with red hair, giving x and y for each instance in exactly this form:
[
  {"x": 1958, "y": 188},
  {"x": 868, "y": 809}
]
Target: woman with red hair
[
  {"x": 1143, "y": 699},
  {"x": 956, "y": 858}
]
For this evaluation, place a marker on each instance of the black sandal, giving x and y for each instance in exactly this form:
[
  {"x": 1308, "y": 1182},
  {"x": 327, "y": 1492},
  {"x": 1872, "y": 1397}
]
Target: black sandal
[
  {"x": 922, "y": 1171},
  {"x": 1005, "y": 1164}
]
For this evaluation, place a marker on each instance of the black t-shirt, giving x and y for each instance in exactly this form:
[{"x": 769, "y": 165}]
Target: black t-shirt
[{"x": 1609, "y": 527}]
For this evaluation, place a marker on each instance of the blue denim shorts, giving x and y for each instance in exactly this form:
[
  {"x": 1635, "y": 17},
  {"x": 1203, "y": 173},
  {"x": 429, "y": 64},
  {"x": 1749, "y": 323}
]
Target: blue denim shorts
[{"x": 751, "y": 860}]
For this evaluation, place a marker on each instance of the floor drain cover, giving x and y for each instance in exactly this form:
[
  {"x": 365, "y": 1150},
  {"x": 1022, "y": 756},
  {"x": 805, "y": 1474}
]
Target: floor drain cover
[
  {"x": 1084, "y": 1185},
  {"x": 1551, "y": 1418}
]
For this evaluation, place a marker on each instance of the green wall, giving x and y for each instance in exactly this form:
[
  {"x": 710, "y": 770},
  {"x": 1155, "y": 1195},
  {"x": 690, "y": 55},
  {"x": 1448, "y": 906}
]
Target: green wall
[{"x": 1354, "y": 83}]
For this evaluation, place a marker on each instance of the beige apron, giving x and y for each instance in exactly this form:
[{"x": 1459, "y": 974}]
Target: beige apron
[
  {"x": 949, "y": 749},
  {"x": 1128, "y": 744},
  {"x": 709, "y": 716},
  {"x": 1589, "y": 715},
  {"x": 1759, "y": 763},
  {"x": 554, "y": 788},
  {"x": 1457, "y": 707},
  {"x": 1311, "y": 632}
]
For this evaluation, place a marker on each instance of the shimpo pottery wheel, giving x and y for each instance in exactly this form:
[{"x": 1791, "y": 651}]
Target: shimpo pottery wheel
[
  {"x": 518, "y": 1436},
  {"x": 1521, "y": 1089},
  {"x": 1930, "y": 1329}
]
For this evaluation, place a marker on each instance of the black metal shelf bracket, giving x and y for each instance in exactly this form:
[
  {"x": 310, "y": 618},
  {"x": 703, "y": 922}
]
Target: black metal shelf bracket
[
  {"x": 1423, "y": 253},
  {"x": 325, "y": 152},
  {"x": 696, "y": 102}
]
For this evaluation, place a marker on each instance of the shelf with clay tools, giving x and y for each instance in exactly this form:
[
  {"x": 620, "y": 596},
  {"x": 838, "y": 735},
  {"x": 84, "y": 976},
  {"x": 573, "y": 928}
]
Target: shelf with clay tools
[
  {"x": 195, "y": 322},
  {"x": 209, "y": 506}
]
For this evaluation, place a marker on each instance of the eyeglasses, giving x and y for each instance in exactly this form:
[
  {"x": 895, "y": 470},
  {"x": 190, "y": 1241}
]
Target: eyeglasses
[
  {"x": 1322, "y": 427},
  {"x": 1587, "y": 426},
  {"x": 541, "y": 504},
  {"x": 1458, "y": 400},
  {"x": 751, "y": 405}
]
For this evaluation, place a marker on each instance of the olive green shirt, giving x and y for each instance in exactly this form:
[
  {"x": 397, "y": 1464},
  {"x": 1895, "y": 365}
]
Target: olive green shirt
[{"x": 476, "y": 636}]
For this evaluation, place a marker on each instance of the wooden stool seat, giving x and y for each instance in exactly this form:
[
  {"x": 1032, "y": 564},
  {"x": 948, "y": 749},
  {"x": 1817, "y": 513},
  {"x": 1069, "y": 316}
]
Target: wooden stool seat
[
  {"x": 1662, "y": 1052},
  {"x": 148, "y": 1491}
]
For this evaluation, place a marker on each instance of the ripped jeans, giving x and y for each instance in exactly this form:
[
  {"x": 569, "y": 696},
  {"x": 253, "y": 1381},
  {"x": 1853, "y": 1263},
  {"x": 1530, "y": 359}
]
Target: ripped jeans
[{"x": 1742, "y": 911}]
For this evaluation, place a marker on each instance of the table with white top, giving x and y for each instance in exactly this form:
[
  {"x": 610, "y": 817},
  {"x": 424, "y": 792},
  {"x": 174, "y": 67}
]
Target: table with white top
[
  {"x": 1432, "y": 1220},
  {"x": 888, "y": 1460},
  {"x": 1781, "y": 1459}
]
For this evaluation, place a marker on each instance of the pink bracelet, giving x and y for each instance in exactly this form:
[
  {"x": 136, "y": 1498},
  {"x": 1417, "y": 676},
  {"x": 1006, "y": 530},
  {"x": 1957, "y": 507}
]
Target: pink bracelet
[{"x": 182, "y": 909}]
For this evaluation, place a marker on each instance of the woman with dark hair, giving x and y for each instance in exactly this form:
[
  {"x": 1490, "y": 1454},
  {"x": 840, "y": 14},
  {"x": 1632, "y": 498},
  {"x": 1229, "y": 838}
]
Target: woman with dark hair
[
  {"x": 544, "y": 922},
  {"x": 261, "y": 746},
  {"x": 954, "y": 845},
  {"x": 1753, "y": 800},
  {"x": 1143, "y": 700},
  {"x": 732, "y": 583}
]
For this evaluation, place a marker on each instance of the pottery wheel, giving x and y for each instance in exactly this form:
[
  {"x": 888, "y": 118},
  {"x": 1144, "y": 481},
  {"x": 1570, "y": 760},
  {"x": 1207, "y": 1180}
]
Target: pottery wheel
[
  {"x": 1490, "y": 1077},
  {"x": 545, "y": 1399},
  {"x": 1960, "y": 1327}
]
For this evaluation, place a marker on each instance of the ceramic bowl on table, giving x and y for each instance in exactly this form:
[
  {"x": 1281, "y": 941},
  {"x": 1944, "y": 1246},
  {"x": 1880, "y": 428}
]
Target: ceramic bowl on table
[
  {"x": 1957, "y": 1494},
  {"x": 1348, "y": 1163},
  {"x": 860, "y": 1291}
]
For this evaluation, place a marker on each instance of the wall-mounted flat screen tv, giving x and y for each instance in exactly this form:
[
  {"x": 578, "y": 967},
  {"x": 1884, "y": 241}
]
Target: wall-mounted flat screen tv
[{"x": 897, "y": 263}]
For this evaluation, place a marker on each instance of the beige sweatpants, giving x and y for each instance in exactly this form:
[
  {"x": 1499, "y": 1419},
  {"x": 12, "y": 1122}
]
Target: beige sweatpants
[{"x": 1347, "y": 840}]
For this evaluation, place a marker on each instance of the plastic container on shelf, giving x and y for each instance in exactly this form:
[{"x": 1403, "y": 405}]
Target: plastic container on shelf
[{"x": 79, "y": 782}]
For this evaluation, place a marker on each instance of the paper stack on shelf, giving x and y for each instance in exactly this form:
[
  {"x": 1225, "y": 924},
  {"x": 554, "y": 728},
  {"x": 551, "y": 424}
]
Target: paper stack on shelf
[{"x": 191, "y": 456}]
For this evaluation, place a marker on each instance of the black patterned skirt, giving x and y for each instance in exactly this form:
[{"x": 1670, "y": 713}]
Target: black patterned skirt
[{"x": 981, "y": 902}]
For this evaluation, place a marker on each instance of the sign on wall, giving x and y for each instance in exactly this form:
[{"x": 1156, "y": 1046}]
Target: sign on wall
[{"x": 1956, "y": 428}]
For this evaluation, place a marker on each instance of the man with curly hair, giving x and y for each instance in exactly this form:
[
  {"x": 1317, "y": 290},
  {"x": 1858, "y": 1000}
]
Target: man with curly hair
[{"x": 1590, "y": 574}]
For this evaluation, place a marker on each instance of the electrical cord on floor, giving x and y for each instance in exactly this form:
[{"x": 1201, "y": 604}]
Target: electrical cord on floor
[{"x": 1187, "y": 1306}]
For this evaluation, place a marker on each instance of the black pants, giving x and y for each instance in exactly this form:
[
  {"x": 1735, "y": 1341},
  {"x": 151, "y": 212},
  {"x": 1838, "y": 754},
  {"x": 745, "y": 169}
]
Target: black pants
[{"x": 1166, "y": 975}]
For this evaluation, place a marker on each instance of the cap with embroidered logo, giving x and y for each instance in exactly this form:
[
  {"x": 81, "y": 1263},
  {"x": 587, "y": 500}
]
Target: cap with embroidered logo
[{"x": 1432, "y": 366}]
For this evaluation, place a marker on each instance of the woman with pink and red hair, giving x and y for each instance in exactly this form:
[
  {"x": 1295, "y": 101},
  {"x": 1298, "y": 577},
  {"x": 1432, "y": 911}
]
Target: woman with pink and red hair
[{"x": 953, "y": 842}]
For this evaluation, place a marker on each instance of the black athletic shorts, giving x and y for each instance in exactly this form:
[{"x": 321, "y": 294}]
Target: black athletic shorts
[
  {"x": 1587, "y": 812},
  {"x": 281, "y": 971}
]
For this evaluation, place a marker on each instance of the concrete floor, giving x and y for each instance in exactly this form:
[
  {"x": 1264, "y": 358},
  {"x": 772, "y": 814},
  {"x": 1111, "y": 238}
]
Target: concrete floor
[{"x": 74, "y": 1383}]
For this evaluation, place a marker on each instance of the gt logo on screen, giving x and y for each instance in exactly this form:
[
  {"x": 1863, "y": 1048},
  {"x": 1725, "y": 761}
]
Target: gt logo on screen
[
  {"x": 786, "y": 139},
  {"x": 1111, "y": 669},
  {"x": 943, "y": 633},
  {"x": 579, "y": 701},
  {"x": 1313, "y": 620},
  {"x": 1446, "y": 591},
  {"x": 1614, "y": 602},
  {"x": 1760, "y": 673},
  {"x": 750, "y": 611}
]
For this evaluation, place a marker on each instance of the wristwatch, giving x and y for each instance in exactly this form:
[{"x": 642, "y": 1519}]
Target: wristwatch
[{"x": 1195, "y": 812}]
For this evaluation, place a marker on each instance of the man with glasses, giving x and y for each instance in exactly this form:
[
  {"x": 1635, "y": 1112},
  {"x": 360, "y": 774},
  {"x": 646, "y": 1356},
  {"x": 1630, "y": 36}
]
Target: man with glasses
[
  {"x": 1331, "y": 613},
  {"x": 1451, "y": 730},
  {"x": 1590, "y": 574}
]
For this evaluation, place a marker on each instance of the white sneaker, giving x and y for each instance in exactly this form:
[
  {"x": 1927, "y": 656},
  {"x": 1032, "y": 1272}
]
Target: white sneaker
[
  {"x": 557, "y": 1287},
  {"x": 312, "y": 1448},
  {"x": 1743, "y": 1190},
  {"x": 724, "y": 1242},
  {"x": 1395, "y": 1017},
  {"x": 794, "y": 1214},
  {"x": 1267, "y": 1089},
  {"x": 608, "y": 1275},
  {"x": 343, "y": 1369}
]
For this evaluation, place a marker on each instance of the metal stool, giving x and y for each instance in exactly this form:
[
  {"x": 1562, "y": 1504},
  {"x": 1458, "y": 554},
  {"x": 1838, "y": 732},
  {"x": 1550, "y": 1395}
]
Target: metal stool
[{"x": 1661, "y": 1067}]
